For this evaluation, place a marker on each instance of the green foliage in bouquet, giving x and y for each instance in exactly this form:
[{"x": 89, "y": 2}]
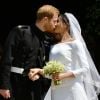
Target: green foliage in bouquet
[{"x": 53, "y": 67}]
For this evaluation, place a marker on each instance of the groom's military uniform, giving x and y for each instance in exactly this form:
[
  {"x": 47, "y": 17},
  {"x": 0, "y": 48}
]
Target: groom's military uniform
[{"x": 25, "y": 48}]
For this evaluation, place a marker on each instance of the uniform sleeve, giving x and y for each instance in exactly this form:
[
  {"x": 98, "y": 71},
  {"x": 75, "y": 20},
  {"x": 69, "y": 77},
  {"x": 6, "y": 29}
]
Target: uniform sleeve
[
  {"x": 7, "y": 59},
  {"x": 82, "y": 59}
]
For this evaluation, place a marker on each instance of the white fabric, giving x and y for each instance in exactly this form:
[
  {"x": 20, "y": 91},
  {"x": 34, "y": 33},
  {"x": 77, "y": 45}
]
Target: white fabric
[
  {"x": 76, "y": 58},
  {"x": 71, "y": 88},
  {"x": 92, "y": 77},
  {"x": 17, "y": 70}
]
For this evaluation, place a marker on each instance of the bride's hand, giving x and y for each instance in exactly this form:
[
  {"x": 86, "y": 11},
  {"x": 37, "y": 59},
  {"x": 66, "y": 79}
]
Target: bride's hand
[{"x": 58, "y": 76}]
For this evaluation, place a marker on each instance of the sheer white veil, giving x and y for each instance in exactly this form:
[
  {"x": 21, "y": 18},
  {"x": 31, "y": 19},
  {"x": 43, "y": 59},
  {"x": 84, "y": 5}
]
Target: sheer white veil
[{"x": 92, "y": 78}]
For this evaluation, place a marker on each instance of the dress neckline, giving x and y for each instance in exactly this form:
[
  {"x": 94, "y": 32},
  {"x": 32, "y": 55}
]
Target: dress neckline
[{"x": 67, "y": 42}]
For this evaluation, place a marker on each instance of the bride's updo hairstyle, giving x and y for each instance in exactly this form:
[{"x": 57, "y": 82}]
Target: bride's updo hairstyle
[{"x": 66, "y": 21}]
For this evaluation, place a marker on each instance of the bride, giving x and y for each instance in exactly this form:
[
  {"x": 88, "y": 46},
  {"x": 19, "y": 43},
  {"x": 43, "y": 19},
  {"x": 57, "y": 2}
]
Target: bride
[{"x": 80, "y": 81}]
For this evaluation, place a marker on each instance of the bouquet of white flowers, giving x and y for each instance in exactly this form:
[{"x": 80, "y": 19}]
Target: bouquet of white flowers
[{"x": 53, "y": 67}]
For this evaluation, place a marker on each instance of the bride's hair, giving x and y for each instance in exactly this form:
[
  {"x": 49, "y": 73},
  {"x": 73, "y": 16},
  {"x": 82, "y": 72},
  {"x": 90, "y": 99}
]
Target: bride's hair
[{"x": 66, "y": 21}]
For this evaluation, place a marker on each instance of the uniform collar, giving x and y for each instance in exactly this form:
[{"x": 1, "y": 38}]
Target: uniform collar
[
  {"x": 44, "y": 36},
  {"x": 38, "y": 32}
]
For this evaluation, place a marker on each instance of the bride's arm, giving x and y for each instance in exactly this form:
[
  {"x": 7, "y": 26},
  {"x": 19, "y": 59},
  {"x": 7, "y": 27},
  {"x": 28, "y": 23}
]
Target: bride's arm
[
  {"x": 79, "y": 70},
  {"x": 82, "y": 59}
]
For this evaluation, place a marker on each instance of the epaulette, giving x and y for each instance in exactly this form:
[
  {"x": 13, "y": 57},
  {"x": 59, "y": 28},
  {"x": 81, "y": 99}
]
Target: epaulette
[{"x": 23, "y": 26}]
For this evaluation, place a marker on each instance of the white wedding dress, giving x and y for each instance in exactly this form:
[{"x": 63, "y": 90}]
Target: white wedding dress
[{"x": 73, "y": 57}]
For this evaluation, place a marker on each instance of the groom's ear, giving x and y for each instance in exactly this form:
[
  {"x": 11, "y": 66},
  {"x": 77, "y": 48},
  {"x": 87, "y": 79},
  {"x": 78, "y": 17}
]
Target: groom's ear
[{"x": 45, "y": 19}]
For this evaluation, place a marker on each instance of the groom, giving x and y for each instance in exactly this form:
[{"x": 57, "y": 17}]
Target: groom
[{"x": 26, "y": 48}]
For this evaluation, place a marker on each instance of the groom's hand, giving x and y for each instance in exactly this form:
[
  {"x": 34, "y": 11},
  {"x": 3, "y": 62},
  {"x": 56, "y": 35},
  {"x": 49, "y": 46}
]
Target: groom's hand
[
  {"x": 5, "y": 93},
  {"x": 34, "y": 74}
]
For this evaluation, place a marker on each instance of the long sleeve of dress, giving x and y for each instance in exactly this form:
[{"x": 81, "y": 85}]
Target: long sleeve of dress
[{"x": 82, "y": 66}]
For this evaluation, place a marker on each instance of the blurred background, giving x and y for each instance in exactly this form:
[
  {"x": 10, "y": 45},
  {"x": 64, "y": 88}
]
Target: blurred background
[{"x": 16, "y": 12}]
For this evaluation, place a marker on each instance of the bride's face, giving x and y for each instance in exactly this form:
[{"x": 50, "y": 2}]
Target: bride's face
[{"x": 61, "y": 27}]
